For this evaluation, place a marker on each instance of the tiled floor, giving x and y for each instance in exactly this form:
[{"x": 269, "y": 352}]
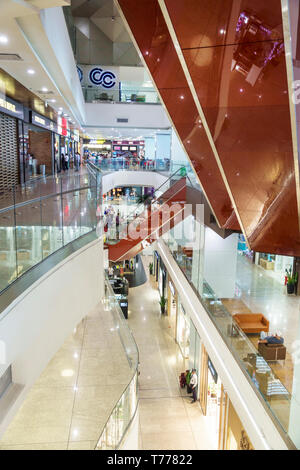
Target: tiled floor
[
  {"x": 263, "y": 293},
  {"x": 69, "y": 404},
  {"x": 168, "y": 420}
]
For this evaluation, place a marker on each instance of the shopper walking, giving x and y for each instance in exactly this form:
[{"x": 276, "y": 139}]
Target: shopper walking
[
  {"x": 77, "y": 161},
  {"x": 63, "y": 162},
  {"x": 67, "y": 161},
  {"x": 193, "y": 385}
]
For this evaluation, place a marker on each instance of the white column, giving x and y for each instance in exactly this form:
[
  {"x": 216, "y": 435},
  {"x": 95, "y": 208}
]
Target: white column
[{"x": 220, "y": 258}]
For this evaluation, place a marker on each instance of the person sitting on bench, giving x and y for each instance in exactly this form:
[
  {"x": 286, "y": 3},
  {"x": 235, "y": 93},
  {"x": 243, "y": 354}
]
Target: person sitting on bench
[{"x": 274, "y": 339}]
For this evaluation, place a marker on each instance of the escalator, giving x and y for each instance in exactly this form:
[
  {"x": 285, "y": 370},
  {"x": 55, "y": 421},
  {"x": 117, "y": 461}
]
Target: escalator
[{"x": 152, "y": 218}]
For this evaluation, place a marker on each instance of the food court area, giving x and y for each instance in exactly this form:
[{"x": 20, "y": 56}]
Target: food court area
[{"x": 143, "y": 152}]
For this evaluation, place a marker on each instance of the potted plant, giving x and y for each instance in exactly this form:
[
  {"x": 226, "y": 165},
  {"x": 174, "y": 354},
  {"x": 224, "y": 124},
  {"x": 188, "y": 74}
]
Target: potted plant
[
  {"x": 162, "y": 303},
  {"x": 292, "y": 280},
  {"x": 151, "y": 268}
]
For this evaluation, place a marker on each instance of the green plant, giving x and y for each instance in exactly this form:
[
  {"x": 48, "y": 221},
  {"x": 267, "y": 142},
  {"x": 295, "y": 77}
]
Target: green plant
[
  {"x": 292, "y": 278},
  {"x": 151, "y": 268},
  {"x": 162, "y": 303}
]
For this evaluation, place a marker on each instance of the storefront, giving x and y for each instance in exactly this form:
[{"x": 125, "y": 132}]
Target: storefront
[
  {"x": 222, "y": 421},
  {"x": 156, "y": 258},
  {"x": 128, "y": 148},
  {"x": 275, "y": 264},
  {"x": 162, "y": 279},
  {"x": 172, "y": 306},
  {"x": 94, "y": 147},
  {"x": 211, "y": 397},
  {"x": 243, "y": 247},
  {"x": 183, "y": 331},
  {"x": 11, "y": 143},
  {"x": 41, "y": 146},
  {"x": 57, "y": 159},
  {"x": 235, "y": 436}
]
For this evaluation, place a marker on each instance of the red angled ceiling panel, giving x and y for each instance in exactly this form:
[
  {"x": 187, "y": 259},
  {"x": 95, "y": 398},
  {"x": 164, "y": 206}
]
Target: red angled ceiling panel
[
  {"x": 150, "y": 31},
  {"x": 234, "y": 51}
]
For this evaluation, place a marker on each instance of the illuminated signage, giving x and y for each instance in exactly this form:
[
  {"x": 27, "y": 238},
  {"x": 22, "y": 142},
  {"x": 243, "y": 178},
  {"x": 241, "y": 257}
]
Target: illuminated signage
[
  {"x": 10, "y": 107},
  {"x": 41, "y": 121}
]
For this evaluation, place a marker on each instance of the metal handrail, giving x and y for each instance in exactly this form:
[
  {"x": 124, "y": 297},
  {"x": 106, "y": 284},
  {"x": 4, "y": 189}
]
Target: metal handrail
[{"x": 134, "y": 372}]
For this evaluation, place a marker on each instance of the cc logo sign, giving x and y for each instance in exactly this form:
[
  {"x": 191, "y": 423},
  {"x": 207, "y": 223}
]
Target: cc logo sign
[
  {"x": 80, "y": 73},
  {"x": 105, "y": 78}
]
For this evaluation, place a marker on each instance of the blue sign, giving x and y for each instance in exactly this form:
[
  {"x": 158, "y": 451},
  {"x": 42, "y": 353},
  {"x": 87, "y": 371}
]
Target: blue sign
[
  {"x": 101, "y": 77},
  {"x": 80, "y": 73}
]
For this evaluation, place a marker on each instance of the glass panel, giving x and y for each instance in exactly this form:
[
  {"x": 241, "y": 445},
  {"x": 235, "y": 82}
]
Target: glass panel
[
  {"x": 71, "y": 216},
  {"x": 51, "y": 222},
  {"x": 8, "y": 262},
  {"x": 28, "y": 236}
]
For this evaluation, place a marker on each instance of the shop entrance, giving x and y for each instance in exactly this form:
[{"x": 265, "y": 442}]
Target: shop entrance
[
  {"x": 212, "y": 399},
  {"x": 183, "y": 332},
  {"x": 172, "y": 308},
  {"x": 39, "y": 157}
]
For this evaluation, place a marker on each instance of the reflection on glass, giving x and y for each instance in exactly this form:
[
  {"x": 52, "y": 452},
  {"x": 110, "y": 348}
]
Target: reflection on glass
[{"x": 124, "y": 411}]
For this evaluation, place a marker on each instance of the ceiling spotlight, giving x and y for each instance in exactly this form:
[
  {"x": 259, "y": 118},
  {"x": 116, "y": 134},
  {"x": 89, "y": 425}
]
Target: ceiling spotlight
[
  {"x": 31, "y": 71},
  {"x": 3, "y": 39},
  {"x": 112, "y": 18},
  {"x": 44, "y": 89},
  {"x": 53, "y": 100}
]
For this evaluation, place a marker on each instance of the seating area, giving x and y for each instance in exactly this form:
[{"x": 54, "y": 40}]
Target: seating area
[
  {"x": 252, "y": 323},
  {"x": 272, "y": 352}
]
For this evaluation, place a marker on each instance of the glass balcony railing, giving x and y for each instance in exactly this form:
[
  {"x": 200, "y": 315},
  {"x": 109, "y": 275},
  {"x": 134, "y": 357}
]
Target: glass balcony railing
[
  {"x": 141, "y": 95},
  {"x": 123, "y": 413},
  {"x": 283, "y": 407},
  {"x": 39, "y": 218},
  {"x": 131, "y": 164}
]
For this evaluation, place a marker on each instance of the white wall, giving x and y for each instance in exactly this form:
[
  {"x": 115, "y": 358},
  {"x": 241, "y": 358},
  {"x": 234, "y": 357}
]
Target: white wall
[
  {"x": 138, "y": 115},
  {"x": 54, "y": 23},
  {"x": 132, "y": 178},
  {"x": 220, "y": 258},
  {"x": 177, "y": 152},
  {"x": 38, "y": 322}
]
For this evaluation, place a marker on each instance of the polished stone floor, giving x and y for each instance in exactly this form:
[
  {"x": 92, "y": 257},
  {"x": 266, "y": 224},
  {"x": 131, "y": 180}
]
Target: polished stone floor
[
  {"x": 71, "y": 401},
  {"x": 265, "y": 294},
  {"x": 168, "y": 420}
]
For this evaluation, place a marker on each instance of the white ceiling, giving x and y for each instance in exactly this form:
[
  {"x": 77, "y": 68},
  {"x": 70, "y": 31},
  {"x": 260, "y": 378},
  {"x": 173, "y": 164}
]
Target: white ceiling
[{"x": 16, "y": 44}]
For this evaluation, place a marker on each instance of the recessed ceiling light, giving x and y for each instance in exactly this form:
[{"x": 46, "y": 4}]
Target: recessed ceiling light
[
  {"x": 53, "y": 100},
  {"x": 30, "y": 71},
  {"x": 3, "y": 39},
  {"x": 44, "y": 89}
]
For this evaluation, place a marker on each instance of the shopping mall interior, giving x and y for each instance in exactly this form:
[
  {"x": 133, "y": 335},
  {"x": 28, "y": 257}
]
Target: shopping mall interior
[{"x": 149, "y": 225}]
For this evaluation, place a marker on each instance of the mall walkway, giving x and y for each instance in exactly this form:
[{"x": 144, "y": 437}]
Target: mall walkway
[
  {"x": 168, "y": 420},
  {"x": 71, "y": 401}
]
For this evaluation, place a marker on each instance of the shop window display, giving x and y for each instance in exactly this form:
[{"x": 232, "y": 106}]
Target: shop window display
[{"x": 183, "y": 332}]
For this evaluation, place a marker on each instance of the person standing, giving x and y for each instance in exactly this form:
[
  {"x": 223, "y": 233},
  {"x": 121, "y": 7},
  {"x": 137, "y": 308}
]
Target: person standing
[
  {"x": 193, "y": 385},
  {"x": 63, "y": 162},
  {"x": 77, "y": 161},
  {"x": 67, "y": 161}
]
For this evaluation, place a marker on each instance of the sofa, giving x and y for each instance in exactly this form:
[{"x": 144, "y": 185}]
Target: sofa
[
  {"x": 252, "y": 322},
  {"x": 272, "y": 352}
]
